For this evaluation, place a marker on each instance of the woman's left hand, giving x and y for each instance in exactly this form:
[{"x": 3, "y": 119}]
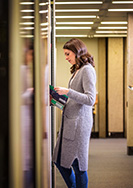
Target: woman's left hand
[{"x": 61, "y": 90}]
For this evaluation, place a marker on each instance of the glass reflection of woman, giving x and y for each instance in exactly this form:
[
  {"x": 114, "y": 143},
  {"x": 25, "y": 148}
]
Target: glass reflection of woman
[
  {"x": 72, "y": 147},
  {"x": 27, "y": 116}
]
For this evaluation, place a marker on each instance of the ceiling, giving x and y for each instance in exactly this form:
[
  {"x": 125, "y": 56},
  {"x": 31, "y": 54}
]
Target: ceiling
[{"x": 102, "y": 11}]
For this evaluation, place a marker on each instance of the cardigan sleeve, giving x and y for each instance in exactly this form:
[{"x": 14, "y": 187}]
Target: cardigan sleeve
[{"x": 88, "y": 80}]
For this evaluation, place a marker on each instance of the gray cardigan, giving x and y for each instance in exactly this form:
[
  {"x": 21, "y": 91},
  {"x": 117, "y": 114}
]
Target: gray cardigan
[{"x": 78, "y": 119}]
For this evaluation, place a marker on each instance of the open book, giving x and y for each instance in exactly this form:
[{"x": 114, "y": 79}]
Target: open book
[{"x": 57, "y": 100}]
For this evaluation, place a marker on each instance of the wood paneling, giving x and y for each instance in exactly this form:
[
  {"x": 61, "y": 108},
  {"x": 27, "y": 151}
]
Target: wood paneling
[{"x": 115, "y": 84}]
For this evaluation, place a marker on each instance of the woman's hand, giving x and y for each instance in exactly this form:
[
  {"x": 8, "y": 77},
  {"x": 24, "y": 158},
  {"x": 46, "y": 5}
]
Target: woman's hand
[{"x": 61, "y": 90}]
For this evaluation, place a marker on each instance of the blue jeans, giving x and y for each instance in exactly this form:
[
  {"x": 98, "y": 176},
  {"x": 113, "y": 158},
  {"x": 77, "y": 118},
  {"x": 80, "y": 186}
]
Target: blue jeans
[{"x": 74, "y": 178}]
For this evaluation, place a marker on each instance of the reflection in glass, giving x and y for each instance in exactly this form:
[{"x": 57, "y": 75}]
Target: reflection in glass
[
  {"x": 44, "y": 43},
  {"x": 27, "y": 92},
  {"x": 27, "y": 116}
]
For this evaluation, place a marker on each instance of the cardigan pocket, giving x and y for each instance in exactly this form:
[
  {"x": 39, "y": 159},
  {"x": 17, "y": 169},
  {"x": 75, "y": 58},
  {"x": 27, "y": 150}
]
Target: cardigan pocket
[{"x": 69, "y": 128}]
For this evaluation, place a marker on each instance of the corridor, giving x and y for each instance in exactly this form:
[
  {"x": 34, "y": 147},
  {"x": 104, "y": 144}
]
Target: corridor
[{"x": 109, "y": 165}]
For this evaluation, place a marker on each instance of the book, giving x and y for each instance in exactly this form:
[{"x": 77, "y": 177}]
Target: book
[{"x": 56, "y": 99}]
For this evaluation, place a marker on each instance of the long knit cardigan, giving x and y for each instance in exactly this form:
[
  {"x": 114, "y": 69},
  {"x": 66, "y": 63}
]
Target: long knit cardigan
[{"x": 77, "y": 120}]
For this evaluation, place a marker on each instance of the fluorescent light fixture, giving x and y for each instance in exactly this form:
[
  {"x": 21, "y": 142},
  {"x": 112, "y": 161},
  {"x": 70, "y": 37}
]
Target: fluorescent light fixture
[
  {"x": 44, "y": 29},
  {"x": 44, "y": 24},
  {"x": 79, "y": 3},
  {"x": 27, "y": 23},
  {"x": 27, "y": 10},
  {"x": 44, "y": 33},
  {"x": 72, "y": 27},
  {"x": 93, "y": 16},
  {"x": 122, "y": 2},
  {"x": 120, "y": 10},
  {"x": 44, "y": 37},
  {"x": 26, "y": 28},
  {"x": 43, "y": 11},
  {"x": 74, "y": 23},
  {"x": 114, "y": 22},
  {"x": 27, "y": 17},
  {"x": 70, "y": 35},
  {"x": 112, "y": 27},
  {"x": 110, "y": 35},
  {"x": 43, "y": 4},
  {"x": 76, "y": 10},
  {"x": 27, "y": 36},
  {"x": 23, "y": 32},
  {"x": 26, "y": 3},
  {"x": 111, "y": 32}
]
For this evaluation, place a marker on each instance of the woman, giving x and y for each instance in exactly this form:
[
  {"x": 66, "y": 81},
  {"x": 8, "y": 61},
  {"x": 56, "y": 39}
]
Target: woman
[{"x": 72, "y": 147}]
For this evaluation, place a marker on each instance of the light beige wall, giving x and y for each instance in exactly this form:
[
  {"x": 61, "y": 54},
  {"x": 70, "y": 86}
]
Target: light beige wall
[
  {"x": 63, "y": 67},
  {"x": 115, "y": 84}
]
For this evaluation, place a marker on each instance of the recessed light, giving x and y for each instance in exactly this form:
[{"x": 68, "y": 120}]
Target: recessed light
[
  {"x": 27, "y": 17},
  {"x": 120, "y": 10},
  {"x": 27, "y": 23},
  {"x": 122, "y": 22},
  {"x": 26, "y": 28},
  {"x": 72, "y": 27},
  {"x": 26, "y": 3},
  {"x": 27, "y": 10},
  {"x": 112, "y": 27},
  {"x": 122, "y": 2},
  {"x": 76, "y": 10},
  {"x": 93, "y": 16},
  {"x": 70, "y": 35},
  {"x": 111, "y": 31},
  {"x": 43, "y": 11},
  {"x": 78, "y": 3},
  {"x": 74, "y": 23},
  {"x": 110, "y": 35},
  {"x": 44, "y": 24}
]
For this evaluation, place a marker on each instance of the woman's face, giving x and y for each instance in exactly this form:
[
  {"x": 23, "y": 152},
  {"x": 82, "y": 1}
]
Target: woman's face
[{"x": 70, "y": 56}]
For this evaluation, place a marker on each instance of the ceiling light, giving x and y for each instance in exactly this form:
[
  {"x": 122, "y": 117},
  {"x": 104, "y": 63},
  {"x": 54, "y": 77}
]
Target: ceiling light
[
  {"x": 110, "y": 35},
  {"x": 26, "y": 3},
  {"x": 27, "y": 23},
  {"x": 43, "y": 4},
  {"x": 70, "y": 35},
  {"x": 76, "y": 10},
  {"x": 111, "y": 31},
  {"x": 27, "y": 36},
  {"x": 112, "y": 27},
  {"x": 27, "y": 10},
  {"x": 44, "y": 33},
  {"x": 74, "y": 23},
  {"x": 27, "y": 17},
  {"x": 44, "y": 37},
  {"x": 120, "y": 10},
  {"x": 75, "y": 16},
  {"x": 44, "y": 24},
  {"x": 113, "y": 22},
  {"x": 44, "y": 29},
  {"x": 23, "y": 32},
  {"x": 27, "y": 28},
  {"x": 72, "y": 27},
  {"x": 43, "y": 11},
  {"x": 78, "y": 3},
  {"x": 122, "y": 2}
]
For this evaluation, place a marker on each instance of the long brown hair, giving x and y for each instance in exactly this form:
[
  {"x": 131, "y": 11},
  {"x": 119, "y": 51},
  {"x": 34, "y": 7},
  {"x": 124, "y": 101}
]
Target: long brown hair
[{"x": 82, "y": 56}]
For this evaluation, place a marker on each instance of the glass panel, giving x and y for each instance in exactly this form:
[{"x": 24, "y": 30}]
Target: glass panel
[
  {"x": 26, "y": 29},
  {"x": 45, "y": 69}
]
